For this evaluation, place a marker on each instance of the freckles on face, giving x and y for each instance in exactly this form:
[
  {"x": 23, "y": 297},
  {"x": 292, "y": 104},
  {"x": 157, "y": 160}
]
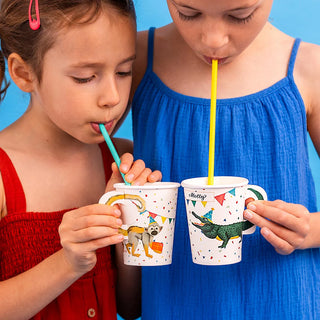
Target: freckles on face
[{"x": 87, "y": 74}]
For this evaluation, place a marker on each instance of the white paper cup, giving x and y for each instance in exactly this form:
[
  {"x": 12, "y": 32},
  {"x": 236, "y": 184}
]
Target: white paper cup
[
  {"x": 215, "y": 217},
  {"x": 148, "y": 215}
]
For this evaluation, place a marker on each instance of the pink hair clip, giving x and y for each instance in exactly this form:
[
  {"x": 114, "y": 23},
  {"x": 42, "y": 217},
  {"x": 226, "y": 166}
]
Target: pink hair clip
[{"x": 34, "y": 24}]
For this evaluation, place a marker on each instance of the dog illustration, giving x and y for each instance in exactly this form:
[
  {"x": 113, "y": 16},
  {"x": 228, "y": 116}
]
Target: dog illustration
[{"x": 145, "y": 235}]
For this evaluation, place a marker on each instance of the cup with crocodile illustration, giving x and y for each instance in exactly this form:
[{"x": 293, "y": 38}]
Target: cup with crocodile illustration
[
  {"x": 148, "y": 216},
  {"x": 215, "y": 217}
]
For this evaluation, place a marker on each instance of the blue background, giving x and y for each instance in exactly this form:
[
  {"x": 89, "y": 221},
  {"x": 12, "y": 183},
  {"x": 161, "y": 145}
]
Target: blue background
[{"x": 298, "y": 18}]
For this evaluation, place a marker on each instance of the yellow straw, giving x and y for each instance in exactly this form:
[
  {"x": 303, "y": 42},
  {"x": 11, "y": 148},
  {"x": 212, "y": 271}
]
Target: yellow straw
[{"x": 212, "y": 135}]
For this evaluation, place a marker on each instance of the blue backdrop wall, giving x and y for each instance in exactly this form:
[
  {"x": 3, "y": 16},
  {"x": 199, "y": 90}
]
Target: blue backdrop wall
[{"x": 295, "y": 17}]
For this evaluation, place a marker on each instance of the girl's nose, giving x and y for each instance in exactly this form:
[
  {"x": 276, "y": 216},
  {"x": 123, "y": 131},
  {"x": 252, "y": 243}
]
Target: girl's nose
[
  {"x": 214, "y": 34},
  {"x": 109, "y": 95}
]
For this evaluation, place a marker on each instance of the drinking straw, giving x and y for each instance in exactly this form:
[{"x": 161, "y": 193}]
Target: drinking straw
[
  {"x": 112, "y": 150},
  {"x": 212, "y": 134}
]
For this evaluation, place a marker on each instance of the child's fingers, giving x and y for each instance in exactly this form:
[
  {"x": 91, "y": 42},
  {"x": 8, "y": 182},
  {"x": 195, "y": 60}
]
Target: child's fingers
[
  {"x": 91, "y": 216},
  {"x": 155, "y": 176},
  {"x": 82, "y": 255},
  {"x": 97, "y": 221},
  {"x": 106, "y": 241},
  {"x": 94, "y": 233},
  {"x": 138, "y": 168},
  {"x": 126, "y": 162},
  {"x": 295, "y": 209},
  {"x": 142, "y": 177},
  {"x": 282, "y": 213},
  {"x": 280, "y": 245},
  {"x": 293, "y": 237}
]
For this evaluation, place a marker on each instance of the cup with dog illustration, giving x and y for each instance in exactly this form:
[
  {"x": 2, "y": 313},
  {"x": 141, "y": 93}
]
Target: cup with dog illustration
[
  {"x": 215, "y": 217},
  {"x": 148, "y": 216}
]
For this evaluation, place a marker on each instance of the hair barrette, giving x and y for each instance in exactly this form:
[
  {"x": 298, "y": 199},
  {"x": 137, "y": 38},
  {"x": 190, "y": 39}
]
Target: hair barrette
[{"x": 34, "y": 23}]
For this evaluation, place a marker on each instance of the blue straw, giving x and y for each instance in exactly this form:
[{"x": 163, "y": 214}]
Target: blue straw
[{"x": 112, "y": 150}]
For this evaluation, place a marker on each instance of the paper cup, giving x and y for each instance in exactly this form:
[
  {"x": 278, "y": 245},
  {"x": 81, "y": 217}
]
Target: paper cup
[
  {"x": 215, "y": 217},
  {"x": 148, "y": 215}
]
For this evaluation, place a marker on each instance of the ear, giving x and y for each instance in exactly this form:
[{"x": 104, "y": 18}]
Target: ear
[{"x": 21, "y": 73}]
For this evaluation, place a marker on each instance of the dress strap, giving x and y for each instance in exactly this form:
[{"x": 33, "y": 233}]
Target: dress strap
[
  {"x": 15, "y": 197},
  {"x": 150, "y": 48},
  {"x": 293, "y": 56}
]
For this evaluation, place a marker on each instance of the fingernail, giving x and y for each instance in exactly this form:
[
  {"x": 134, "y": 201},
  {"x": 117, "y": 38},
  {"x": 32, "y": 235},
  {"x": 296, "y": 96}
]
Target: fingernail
[
  {"x": 248, "y": 214},
  {"x": 252, "y": 207},
  {"x": 265, "y": 232},
  {"x": 129, "y": 177},
  {"x": 124, "y": 167},
  {"x": 119, "y": 222},
  {"x": 117, "y": 212},
  {"x": 120, "y": 237}
]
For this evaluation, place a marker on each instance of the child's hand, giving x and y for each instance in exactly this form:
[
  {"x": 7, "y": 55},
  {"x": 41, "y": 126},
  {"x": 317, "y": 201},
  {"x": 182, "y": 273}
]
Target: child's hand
[
  {"x": 284, "y": 225},
  {"x": 84, "y": 230},
  {"x": 135, "y": 172}
]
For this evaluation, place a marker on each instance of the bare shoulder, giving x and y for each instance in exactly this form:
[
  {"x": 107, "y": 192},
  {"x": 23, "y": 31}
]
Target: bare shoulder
[
  {"x": 307, "y": 77},
  {"x": 307, "y": 71},
  {"x": 123, "y": 145}
]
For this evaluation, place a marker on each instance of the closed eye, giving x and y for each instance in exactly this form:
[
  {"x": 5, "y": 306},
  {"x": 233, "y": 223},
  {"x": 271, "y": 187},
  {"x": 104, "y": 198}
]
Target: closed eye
[
  {"x": 83, "y": 80},
  {"x": 242, "y": 20},
  {"x": 125, "y": 74},
  {"x": 188, "y": 18}
]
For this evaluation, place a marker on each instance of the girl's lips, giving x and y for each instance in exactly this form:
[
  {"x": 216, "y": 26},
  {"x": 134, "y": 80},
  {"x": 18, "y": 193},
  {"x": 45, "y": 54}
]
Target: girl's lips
[
  {"x": 107, "y": 125},
  {"x": 209, "y": 60}
]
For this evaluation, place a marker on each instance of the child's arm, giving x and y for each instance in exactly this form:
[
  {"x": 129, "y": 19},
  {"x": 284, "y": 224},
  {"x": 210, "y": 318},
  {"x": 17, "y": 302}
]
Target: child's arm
[
  {"x": 290, "y": 226},
  {"x": 82, "y": 232}
]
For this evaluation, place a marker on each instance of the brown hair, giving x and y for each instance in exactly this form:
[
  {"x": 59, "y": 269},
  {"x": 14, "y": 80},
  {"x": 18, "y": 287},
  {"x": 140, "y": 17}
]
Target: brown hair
[
  {"x": 17, "y": 36},
  {"x": 2, "y": 77}
]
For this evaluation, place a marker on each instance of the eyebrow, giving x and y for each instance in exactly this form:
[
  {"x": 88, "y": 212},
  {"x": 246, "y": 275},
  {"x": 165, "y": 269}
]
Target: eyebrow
[
  {"x": 85, "y": 64},
  {"x": 181, "y": 5},
  {"x": 245, "y": 7}
]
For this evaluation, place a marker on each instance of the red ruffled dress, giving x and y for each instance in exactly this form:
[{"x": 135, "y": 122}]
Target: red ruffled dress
[{"x": 27, "y": 238}]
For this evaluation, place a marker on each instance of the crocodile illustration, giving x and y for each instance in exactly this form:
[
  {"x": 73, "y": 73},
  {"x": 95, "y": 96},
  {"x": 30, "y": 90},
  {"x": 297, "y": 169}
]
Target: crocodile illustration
[{"x": 221, "y": 232}]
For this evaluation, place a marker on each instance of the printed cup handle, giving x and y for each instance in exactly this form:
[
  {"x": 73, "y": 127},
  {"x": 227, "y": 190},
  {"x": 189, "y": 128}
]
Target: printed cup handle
[
  {"x": 256, "y": 193},
  {"x": 112, "y": 197},
  {"x": 116, "y": 197}
]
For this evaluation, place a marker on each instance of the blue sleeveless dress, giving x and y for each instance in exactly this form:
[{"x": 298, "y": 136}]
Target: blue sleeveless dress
[{"x": 262, "y": 137}]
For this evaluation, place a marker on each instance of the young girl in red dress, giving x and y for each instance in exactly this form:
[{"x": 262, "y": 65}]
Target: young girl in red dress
[{"x": 74, "y": 58}]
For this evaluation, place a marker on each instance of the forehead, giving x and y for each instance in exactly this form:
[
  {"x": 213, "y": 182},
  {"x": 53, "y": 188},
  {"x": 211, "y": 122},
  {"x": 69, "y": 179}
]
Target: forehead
[
  {"x": 208, "y": 5},
  {"x": 110, "y": 32}
]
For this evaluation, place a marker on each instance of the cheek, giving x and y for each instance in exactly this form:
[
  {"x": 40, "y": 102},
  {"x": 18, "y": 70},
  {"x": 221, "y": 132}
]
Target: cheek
[{"x": 191, "y": 35}]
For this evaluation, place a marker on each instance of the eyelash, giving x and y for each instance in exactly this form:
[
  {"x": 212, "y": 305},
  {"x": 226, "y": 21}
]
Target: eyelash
[
  {"x": 243, "y": 20},
  {"x": 187, "y": 18},
  {"x": 234, "y": 19},
  {"x": 86, "y": 80},
  {"x": 82, "y": 80},
  {"x": 125, "y": 74}
]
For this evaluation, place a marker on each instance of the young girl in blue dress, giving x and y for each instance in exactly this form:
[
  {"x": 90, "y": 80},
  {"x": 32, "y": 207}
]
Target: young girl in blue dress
[{"x": 267, "y": 103}]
